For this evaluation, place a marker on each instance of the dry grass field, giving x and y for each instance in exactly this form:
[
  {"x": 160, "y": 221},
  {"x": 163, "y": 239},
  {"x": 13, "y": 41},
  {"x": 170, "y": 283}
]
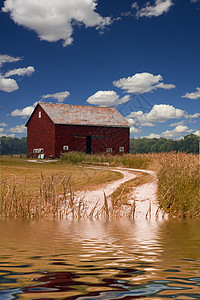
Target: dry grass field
[
  {"x": 178, "y": 177},
  {"x": 32, "y": 189},
  {"x": 179, "y": 184},
  {"x": 29, "y": 173},
  {"x": 39, "y": 190}
]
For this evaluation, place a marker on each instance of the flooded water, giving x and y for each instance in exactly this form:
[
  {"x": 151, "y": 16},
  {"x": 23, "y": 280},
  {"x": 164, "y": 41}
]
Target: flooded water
[{"x": 100, "y": 259}]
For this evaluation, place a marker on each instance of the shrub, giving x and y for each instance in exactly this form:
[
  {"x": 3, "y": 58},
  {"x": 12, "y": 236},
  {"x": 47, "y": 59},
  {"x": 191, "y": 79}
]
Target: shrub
[{"x": 127, "y": 160}]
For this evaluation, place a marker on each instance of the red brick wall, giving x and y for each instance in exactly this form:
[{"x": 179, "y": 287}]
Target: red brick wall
[
  {"x": 74, "y": 136},
  {"x": 41, "y": 133}
]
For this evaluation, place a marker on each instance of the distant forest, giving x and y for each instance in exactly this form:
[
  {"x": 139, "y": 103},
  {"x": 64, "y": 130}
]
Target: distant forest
[
  {"x": 190, "y": 144},
  {"x": 11, "y": 145}
]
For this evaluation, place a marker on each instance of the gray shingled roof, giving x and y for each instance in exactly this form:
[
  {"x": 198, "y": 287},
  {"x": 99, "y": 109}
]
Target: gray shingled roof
[{"x": 84, "y": 115}]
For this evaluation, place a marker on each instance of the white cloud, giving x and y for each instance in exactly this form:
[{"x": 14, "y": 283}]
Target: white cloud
[
  {"x": 20, "y": 72},
  {"x": 165, "y": 86},
  {"x": 175, "y": 132},
  {"x": 160, "y": 7},
  {"x": 194, "y": 95},
  {"x": 107, "y": 98},
  {"x": 177, "y": 123},
  {"x": 194, "y": 116},
  {"x": 8, "y": 85},
  {"x": 18, "y": 129},
  {"x": 197, "y": 132},
  {"x": 3, "y": 124},
  {"x": 4, "y": 58},
  {"x": 60, "y": 97},
  {"x": 142, "y": 83},
  {"x": 131, "y": 121},
  {"x": 7, "y": 135},
  {"x": 124, "y": 99},
  {"x": 24, "y": 112},
  {"x": 152, "y": 136},
  {"x": 135, "y": 5},
  {"x": 147, "y": 124},
  {"x": 134, "y": 130},
  {"x": 54, "y": 20},
  {"x": 1, "y": 130},
  {"x": 159, "y": 114},
  {"x": 194, "y": 1}
]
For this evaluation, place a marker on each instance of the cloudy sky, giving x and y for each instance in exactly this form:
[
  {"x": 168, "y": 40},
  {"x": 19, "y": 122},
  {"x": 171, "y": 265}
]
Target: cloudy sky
[{"x": 141, "y": 57}]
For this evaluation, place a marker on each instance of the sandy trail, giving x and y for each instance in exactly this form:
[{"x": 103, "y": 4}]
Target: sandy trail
[{"x": 145, "y": 195}]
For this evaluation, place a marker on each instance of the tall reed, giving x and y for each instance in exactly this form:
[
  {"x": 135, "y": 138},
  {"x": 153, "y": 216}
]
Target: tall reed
[
  {"x": 54, "y": 199},
  {"x": 19, "y": 202},
  {"x": 179, "y": 184}
]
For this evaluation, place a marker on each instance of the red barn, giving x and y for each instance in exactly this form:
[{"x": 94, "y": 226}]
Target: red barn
[{"x": 56, "y": 128}]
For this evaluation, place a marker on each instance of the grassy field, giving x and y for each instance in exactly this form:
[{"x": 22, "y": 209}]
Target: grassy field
[
  {"x": 178, "y": 178},
  {"x": 31, "y": 189},
  {"x": 21, "y": 171},
  {"x": 37, "y": 190}
]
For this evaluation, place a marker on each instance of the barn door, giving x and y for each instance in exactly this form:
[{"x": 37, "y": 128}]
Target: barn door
[{"x": 88, "y": 144}]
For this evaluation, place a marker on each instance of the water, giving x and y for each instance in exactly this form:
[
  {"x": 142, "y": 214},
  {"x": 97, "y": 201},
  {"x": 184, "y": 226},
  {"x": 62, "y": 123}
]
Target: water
[{"x": 100, "y": 259}]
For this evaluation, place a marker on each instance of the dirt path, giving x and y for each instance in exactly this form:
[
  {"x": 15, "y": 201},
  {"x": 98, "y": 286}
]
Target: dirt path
[{"x": 145, "y": 195}]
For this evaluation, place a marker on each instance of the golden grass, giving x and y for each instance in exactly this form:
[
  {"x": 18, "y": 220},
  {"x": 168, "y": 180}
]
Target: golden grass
[
  {"x": 32, "y": 190},
  {"x": 179, "y": 184},
  {"x": 37, "y": 190},
  {"x": 54, "y": 199},
  {"x": 28, "y": 174}
]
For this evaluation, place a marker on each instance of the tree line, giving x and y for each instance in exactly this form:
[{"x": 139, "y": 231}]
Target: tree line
[
  {"x": 189, "y": 144},
  {"x": 11, "y": 145}
]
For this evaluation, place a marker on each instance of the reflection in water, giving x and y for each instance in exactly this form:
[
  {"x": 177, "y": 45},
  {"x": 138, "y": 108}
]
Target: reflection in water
[{"x": 118, "y": 259}]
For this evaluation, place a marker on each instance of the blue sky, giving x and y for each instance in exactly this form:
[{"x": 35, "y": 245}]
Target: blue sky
[{"x": 141, "y": 57}]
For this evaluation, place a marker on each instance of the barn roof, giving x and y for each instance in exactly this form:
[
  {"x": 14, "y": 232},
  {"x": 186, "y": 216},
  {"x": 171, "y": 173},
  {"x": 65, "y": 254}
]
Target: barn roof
[{"x": 84, "y": 115}]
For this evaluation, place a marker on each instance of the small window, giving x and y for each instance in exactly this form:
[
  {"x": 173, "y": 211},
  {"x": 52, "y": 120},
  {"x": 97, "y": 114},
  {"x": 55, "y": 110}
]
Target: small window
[
  {"x": 65, "y": 148},
  {"x": 121, "y": 149},
  {"x": 40, "y": 114},
  {"x": 109, "y": 150},
  {"x": 38, "y": 150}
]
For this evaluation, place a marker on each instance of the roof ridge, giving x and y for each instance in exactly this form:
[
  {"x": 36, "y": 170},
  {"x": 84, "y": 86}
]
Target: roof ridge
[{"x": 108, "y": 107}]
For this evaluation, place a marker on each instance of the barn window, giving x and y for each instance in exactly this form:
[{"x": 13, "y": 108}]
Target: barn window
[
  {"x": 121, "y": 149},
  {"x": 65, "y": 148},
  {"x": 38, "y": 150},
  {"x": 109, "y": 150},
  {"x": 40, "y": 114}
]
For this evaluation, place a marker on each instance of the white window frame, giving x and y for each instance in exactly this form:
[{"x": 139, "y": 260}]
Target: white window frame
[
  {"x": 38, "y": 150},
  {"x": 109, "y": 150},
  {"x": 121, "y": 149},
  {"x": 40, "y": 115},
  {"x": 65, "y": 148}
]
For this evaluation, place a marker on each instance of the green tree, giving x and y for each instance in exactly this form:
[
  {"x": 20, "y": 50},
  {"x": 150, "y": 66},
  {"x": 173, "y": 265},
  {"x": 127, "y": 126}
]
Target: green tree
[
  {"x": 189, "y": 144},
  {"x": 11, "y": 145}
]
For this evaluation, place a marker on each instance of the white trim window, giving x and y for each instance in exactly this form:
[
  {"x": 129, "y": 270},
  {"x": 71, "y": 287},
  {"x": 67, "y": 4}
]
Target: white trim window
[
  {"x": 65, "y": 148},
  {"x": 121, "y": 149},
  {"x": 38, "y": 150},
  {"x": 40, "y": 115},
  {"x": 109, "y": 150}
]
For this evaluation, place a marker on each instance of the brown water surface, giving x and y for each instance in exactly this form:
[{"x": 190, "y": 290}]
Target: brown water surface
[{"x": 99, "y": 259}]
